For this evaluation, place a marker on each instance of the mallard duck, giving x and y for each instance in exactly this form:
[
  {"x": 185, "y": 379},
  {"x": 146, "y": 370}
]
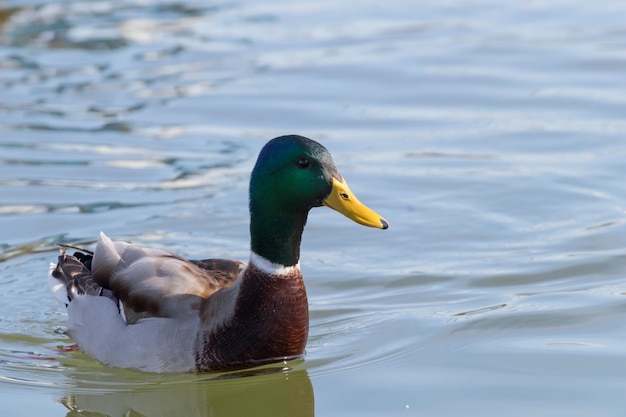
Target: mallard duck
[{"x": 130, "y": 306}]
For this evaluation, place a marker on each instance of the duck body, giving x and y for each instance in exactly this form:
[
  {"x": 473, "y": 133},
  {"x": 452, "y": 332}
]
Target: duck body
[
  {"x": 168, "y": 314},
  {"x": 131, "y": 306}
]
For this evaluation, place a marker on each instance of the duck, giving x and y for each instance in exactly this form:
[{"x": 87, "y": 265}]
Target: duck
[{"x": 136, "y": 307}]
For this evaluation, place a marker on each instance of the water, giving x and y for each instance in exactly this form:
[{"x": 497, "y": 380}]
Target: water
[{"x": 490, "y": 134}]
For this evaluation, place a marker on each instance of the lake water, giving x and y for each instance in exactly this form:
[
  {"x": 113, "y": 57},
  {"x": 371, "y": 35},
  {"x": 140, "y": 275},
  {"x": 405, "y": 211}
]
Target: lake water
[{"x": 492, "y": 136}]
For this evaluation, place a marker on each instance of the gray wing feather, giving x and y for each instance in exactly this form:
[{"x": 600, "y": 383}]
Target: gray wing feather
[{"x": 153, "y": 282}]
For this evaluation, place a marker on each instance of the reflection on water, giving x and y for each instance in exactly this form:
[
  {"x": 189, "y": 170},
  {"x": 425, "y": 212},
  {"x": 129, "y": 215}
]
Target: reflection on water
[{"x": 278, "y": 393}]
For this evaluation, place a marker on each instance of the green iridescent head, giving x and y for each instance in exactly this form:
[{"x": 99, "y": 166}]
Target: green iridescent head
[{"x": 292, "y": 175}]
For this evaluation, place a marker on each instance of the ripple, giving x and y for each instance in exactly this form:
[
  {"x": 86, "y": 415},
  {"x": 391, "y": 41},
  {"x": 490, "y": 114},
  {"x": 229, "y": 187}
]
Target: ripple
[
  {"x": 98, "y": 177},
  {"x": 29, "y": 361},
  {"x": 367, "y": 342},
  {"x": 357, "y": 330},
  {"x": 38, "y": 246}
]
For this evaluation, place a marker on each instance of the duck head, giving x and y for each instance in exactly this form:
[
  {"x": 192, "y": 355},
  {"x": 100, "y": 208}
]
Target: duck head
[{"x": 292, "y": 175}]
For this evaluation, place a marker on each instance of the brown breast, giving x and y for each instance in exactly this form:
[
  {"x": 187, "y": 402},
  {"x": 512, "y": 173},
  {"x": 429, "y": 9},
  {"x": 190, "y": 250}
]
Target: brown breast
[{"x": 270, "y": 322}]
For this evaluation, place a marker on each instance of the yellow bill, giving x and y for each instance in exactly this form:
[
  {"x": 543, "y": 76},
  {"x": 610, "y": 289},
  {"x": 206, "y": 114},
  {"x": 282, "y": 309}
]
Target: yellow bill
[{"x": 344, "y": 201}]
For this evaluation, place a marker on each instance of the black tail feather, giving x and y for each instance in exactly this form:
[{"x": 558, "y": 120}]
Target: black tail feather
[{"x": 75, "y": 272}]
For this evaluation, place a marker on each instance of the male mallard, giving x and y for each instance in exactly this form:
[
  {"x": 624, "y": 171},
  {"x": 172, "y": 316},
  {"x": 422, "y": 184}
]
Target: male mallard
[{"x": 130, "y": 306}]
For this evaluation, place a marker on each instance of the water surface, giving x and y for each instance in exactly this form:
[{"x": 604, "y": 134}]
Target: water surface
[{"x": 490, "y": 135}]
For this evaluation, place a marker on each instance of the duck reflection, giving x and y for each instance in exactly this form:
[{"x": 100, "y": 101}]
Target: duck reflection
[{"x": 268, "y": 392}]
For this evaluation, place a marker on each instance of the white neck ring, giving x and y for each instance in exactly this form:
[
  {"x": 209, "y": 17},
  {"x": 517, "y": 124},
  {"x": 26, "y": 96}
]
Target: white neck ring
[{"x": 270, "y": 267}]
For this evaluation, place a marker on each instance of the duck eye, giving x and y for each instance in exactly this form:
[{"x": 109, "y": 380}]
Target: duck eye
[{"x": 304, "y": 162}]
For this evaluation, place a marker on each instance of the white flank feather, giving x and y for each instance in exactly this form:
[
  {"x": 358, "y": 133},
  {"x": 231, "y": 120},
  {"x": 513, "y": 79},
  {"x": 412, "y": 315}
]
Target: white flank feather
[
  {"x": 57, "y": 287},
  {"x": 151, "y": 344}
]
